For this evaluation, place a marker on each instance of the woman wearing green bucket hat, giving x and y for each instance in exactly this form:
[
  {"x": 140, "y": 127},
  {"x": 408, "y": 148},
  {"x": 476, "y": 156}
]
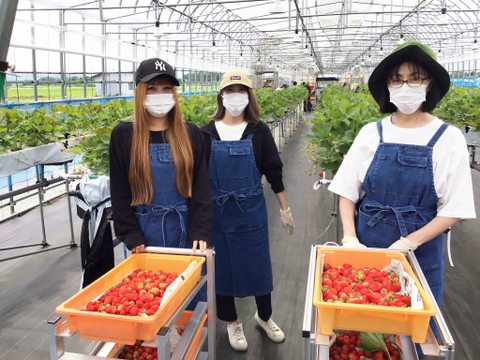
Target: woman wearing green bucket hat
[{"x": 407, "y": 175}]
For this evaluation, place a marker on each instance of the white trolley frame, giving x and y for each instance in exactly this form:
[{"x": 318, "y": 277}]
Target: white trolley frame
[
  {"x": 58, "y": 330},
  {"x": 316, "y": 346}
]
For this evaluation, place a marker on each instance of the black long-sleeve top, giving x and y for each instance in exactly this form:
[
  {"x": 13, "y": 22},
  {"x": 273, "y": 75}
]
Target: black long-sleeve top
[
  {"x": 264, "y": 149},
  {"x": 127, "y": 228}
]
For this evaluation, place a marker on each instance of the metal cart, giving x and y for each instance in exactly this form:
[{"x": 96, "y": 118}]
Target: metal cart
[
  {"x": 316, "y": 346},
  {"x": 58, "y": 330}
]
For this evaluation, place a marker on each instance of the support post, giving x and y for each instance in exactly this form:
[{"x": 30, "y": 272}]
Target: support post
[
  {"x": 40, "y": 202},
  {"x": 10, "y": 188},
  {"x": 67, "y": 183},
  {"x": 8, "y": 10}
]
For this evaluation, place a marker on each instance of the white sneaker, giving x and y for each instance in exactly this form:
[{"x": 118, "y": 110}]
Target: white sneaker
[
  {"x": 272, "y": 330},
  {"x": 237, "y": 337}
]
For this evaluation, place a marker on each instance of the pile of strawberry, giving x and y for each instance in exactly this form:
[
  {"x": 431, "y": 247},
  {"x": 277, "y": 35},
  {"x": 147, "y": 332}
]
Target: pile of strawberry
[
  {"x": 362, "y": 286},
  {"x": 139, "y": 352},
  {"x": 347, "y": 347},
  {"x": 140, "y": 292}
]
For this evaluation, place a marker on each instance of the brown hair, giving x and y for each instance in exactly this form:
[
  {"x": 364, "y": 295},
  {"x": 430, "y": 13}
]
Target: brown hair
[
  {"x": 140, "y": 177},
  {"x": 252, "y": 111}
]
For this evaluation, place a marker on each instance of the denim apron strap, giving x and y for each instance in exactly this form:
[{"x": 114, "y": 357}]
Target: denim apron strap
[
  {"x": 222, "y": 199},
  {"x": 380, "y": 130},
  {"x": 382, "y": 210},
  {"x": 437, "y": 135},
  {"x": 162, "y": 211}
]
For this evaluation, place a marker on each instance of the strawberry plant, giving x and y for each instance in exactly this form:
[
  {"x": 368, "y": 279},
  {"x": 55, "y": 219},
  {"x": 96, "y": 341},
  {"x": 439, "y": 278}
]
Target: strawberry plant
[
  {"x": 460, "y": 107},
  {"x": 57, "y": 123},
  {"x": 339, "y": 116}
]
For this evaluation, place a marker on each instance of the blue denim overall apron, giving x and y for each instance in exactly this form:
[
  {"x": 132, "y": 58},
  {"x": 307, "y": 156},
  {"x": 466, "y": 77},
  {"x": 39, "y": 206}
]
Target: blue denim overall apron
[
  {"x": 240, "y": 223},
  {"x": 400, "y": 198},
  {"x": 164, "y": 221}
]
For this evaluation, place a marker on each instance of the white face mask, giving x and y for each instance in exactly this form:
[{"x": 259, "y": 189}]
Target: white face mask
[
  {"x": 159, "y": 105},
  {"x": 408, "y": 99},
  {"x": 235, "y": 103}
]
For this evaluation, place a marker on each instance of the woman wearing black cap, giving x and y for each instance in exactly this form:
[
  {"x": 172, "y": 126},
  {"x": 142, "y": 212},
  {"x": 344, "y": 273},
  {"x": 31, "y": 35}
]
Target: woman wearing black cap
[
  {"x": 159, "y": 181},
  {"x": 409, "y": 173}
]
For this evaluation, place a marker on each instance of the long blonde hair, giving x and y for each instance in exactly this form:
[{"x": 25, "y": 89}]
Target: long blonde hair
[{"x": 140, "y": 177}]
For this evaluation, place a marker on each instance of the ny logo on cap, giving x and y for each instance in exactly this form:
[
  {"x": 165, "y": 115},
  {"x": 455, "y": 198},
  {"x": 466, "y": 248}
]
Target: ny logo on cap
[
  {"x": 160, "y": 65},
  {"x": 235, "y": 78}
]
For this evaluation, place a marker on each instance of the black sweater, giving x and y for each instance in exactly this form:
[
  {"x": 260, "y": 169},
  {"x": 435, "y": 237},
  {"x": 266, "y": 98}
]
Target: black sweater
[
  {"x": 264, "y": 149},
  {"x": 126, "y": 224}
]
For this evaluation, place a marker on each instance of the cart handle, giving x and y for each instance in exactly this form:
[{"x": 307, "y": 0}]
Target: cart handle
[{"x": 176, "y": 251}]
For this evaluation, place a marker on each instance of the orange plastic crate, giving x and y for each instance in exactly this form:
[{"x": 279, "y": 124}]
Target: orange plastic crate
[
  {"x": 371, "y": 318},
  {"x": 127, "y": 329},
  {"x": 182, "y": 321}
]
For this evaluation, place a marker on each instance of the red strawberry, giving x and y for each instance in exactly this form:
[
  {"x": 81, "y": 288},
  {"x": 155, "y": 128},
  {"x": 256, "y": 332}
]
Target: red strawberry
[
  {"x": 134, "y": 310},
  {"x": 327, "y": 282},
  {"x": 396, "y": 287},
  {"x": 110, "y": 309},
  {"x": 406, "y": 299}
]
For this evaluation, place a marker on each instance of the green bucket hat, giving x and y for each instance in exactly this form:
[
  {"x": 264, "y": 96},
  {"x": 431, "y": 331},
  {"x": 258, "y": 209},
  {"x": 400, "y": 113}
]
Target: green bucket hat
[{"x": 409, "y": 50}]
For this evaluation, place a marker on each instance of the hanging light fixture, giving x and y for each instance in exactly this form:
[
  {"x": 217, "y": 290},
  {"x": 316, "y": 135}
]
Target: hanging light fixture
[
  {"x": 214, "y": 49},
  {"x": 443, "y": 20},
  {"x": 277, "y": 8},
  {"x": 380, "y": 53},
  {"x": 157, "y": 32},
  {"x": 475, "y": 45},
  {"x": 400, "y": 40},
  {"x": 259, "y": 63}
]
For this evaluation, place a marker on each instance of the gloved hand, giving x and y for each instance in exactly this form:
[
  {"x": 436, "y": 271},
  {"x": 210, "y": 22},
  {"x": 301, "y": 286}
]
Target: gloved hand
[
  {"x": 403, "y": 244},
  {"x": 352, "y": 242},
  {"x": 287, "y": 220}
]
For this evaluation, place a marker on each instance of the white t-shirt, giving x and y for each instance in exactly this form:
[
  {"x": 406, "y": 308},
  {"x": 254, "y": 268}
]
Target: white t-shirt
[
  {"x": 451, "y": 169},
  {"x": 230, "y": 133}
]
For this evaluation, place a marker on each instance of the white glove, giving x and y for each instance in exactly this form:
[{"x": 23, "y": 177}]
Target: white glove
[
  {"x": 352, "y": 242},
  {"x": 403, "y": 244},
  {"x": 287, "y": 220}
]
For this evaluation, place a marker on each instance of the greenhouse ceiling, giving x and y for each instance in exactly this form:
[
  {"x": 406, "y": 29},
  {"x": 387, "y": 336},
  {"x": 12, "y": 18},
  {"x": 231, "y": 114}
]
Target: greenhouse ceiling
[{"x": 317, "y": 36}]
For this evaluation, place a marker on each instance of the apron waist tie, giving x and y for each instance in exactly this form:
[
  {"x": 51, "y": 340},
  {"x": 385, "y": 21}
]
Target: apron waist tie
[
  {"x": 164, "y": 210},
  {"x": 222, "y": 199},
  {"x": 382, "y": 210}
]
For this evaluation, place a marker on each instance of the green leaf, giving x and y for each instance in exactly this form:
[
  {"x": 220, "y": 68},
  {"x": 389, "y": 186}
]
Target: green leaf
[
  {"x": 343, "y": 105},
  {"x": 371, "y": 342},
  {"x": 320, "y": 130},
  {"x": 105, "y": 138},
  {"x": 336, "y": 113}
]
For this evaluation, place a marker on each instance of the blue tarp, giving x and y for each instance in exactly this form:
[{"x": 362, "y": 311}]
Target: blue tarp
[{"x": 466, "y": 82}]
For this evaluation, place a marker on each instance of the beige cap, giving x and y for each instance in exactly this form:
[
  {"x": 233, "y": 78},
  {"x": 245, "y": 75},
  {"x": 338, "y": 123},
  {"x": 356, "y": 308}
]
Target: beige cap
[{"x": 233, "y": 77}]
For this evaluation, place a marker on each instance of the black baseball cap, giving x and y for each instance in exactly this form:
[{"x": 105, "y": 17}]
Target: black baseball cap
[{"x": 150, "y": 68}]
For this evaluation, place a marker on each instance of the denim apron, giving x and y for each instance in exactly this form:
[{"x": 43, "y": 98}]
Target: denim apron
[
  {"x": 164, "y": 221},
  {"x": 240, "y": 223},
  {"x": 400, "y": 198}
]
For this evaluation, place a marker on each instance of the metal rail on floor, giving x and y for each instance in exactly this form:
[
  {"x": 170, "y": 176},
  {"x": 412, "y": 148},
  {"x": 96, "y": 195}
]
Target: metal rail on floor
[
  {"x": 316, "y": 346},
  {"x": 58, "y": 329}
]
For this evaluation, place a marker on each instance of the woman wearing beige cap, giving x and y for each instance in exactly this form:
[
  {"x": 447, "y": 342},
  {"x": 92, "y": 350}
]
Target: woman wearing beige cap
[{"x": 240, "y": 149}]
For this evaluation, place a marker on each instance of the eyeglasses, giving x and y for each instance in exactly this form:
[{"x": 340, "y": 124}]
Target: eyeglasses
[{"x": 415, "y": 82}]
